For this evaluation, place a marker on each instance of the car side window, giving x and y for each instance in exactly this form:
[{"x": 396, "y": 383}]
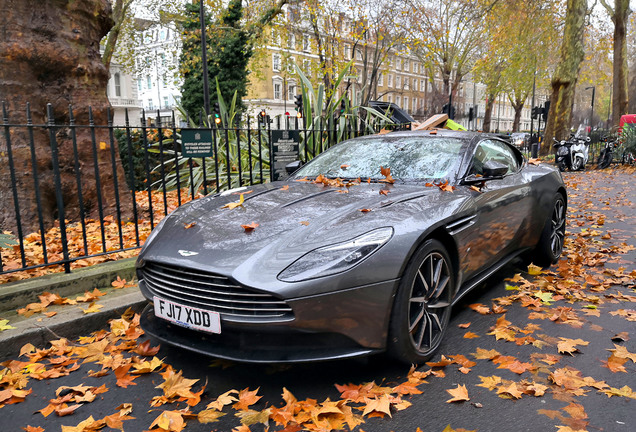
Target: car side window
[{"x": 490, "y": 150}]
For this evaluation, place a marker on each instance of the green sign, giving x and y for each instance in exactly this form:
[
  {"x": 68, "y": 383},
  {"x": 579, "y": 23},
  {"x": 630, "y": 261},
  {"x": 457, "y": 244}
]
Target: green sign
[{"x": 197, "y": 143}]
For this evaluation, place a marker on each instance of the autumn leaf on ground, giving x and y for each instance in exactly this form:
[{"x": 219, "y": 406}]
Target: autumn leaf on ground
[
  {"x": 483, "y": 354},
  {"x": 251, "y": 417},
  {"x": 246, "y": 398},
  {"x": 234, "y": 205},
  {"x": 511, "y": 390},
  {"x": 491, "y": 382},
  {"x": 249, "y": 227},
  {"x": 534, "y": 270},
  {"x": 615, "y": 364},
  {"x": 144, "y": 349},
  {"x": 4, "y": 325},
  {"x": 460, "y": 394},
  {"x": 471, "y": 335},
  {"x": 189, "y": 225},
  {"x": 92, "y": 308},
  {"x": 225, "y": 399},
  {"x": 123, "y": 378},
  {"x": 384, "y": 191},
  {"x": 480, "y": 308},
  {"x": 621, "y": 352},
  {"x": 171, "y": 421},
  {"x": 568, "y": 346},
  {"x": 83, "y": 426},
  {"x": 380, "y": 405},
  {"x": 209, "y": 416},
  {"x": 306, "y": 223},
  {"x": 364, "y": 210},
  {"x": 621, "y": 337},
  {"x": 33, "y": 429}
]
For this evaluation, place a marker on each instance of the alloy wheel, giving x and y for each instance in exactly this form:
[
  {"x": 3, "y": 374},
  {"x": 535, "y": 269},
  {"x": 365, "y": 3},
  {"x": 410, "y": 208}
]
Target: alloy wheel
[
  {"x": 557, "y": 234},
  {"x": 429, "y": 302}
]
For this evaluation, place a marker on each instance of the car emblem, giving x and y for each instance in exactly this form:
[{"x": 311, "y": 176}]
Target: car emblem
[{"x": 187, "y": 253}]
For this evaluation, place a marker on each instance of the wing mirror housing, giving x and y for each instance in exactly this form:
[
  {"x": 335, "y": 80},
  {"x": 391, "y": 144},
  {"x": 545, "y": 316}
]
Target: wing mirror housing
[
  {"x": 494, "y": 169},
  {"x": 293, "y": 166}
]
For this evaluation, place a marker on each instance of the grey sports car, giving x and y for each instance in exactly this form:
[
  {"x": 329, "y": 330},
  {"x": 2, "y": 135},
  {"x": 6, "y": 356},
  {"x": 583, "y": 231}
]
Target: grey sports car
[{"x": 363, "y": 250}]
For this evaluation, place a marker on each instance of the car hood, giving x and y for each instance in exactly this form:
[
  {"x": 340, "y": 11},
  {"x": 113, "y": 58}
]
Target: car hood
[{"x": 293, "y": 218}]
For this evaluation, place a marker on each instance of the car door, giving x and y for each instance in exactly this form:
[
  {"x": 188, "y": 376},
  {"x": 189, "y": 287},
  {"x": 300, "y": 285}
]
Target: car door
[{"x": 504, "y": 205}]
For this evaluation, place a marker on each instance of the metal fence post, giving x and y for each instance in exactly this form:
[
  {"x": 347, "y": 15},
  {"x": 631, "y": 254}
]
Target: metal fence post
[{"x": 58, "y": 187}]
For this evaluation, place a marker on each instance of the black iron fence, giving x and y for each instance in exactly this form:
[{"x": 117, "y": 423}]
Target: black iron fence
[{"x": 73, "y": 191}]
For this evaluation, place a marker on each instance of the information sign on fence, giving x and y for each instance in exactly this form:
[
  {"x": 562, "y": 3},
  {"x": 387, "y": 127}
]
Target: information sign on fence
[
  {"x": 197, "y": 143},
  {"x": 285, "y": 149}
]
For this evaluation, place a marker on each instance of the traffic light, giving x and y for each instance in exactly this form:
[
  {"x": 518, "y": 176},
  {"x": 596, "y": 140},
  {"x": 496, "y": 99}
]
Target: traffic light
[
  {"x": 262, "y": 116},
  {"x": 298, "y": 102},
  {"x": 471, "y": 113},
  {"x": 546, "y": 110},
  {"x": 343, "y": 106},
  {"x": 217, "y": 113},
  {"x": 535, "y": 112}
]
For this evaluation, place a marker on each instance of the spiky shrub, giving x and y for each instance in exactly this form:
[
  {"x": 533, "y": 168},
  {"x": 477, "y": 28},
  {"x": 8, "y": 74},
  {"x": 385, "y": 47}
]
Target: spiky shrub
[
  {"x": 324, "y": 120},
  {"x": 241, "y": 155}
]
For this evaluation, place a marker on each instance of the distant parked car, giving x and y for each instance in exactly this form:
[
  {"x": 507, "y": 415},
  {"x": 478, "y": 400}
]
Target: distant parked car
[
  {"x": 365, "y": 249},
  {"x": 520, "y": 139}
]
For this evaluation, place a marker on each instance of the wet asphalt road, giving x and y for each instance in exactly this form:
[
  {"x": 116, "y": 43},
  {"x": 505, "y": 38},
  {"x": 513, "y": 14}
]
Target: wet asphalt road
[{"x": 592, "y": 194}]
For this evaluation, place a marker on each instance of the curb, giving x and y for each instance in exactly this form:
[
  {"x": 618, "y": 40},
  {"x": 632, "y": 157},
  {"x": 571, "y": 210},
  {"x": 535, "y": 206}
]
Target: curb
[
  {"x": 70, "y": 321},
  {"x": 14, "y": 295}
]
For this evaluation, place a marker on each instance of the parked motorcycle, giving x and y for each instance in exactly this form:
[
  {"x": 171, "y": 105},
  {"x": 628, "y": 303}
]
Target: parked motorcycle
[
  {"x": 573, "y": 153},
  {"x": 607, "y": 153}
]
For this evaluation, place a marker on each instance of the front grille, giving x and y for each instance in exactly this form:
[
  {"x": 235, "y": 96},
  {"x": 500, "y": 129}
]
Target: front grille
[{"x": 208, "y": 291}]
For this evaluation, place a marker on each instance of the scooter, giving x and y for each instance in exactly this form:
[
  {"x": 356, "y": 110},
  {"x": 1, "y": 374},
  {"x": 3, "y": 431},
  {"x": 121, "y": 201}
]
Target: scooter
[{"x": 572, "y": 154}]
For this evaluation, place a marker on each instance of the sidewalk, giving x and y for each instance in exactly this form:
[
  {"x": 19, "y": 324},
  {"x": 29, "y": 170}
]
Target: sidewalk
[{"x": 70, "y": 321}]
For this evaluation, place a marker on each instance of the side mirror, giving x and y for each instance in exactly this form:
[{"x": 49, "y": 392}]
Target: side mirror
[
  {"x": 293, "y": 166},
  {"x": 493, "y": 169}
]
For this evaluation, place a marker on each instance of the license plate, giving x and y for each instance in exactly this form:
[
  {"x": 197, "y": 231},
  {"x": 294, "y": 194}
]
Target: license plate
[{"x": 187, "y": 316}]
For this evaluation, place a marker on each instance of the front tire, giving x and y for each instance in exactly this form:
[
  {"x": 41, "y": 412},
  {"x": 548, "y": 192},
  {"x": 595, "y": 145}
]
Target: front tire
[
  {"x": 550, "y": 244},
  {"x": 577, "y": 164},
  {"x": 422, "y": 307}
]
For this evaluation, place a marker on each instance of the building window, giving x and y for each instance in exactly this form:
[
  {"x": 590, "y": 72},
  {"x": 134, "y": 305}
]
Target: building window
[
  {"x": 406, "y": 65},
  {"x": 306, "y": 44},
  {"x": 414, "y": 84},
  {"x": 291, "y": 69},
  {"x": 166, "y": 103},
  {"x": 398, "y": 100},
  {"x": 276, "y": 62},
  {"x": 398, "y": 82},
  {"x": 117, "y": 80},
  {"x": 347, "y": 51},
  {"x": 406, "y": 83},
  {"x": 277, "y": 89},
  {"x": 389, "y": 99},
  {"x": 140, "y": 84},
  {"x": 380, "y": 79},
  {"x": 291, "y": 91},
  {"x": 406, "y": 103},
  {"x": 398, "y": 64},
  {"x": 148, "y": 82},
  {"x": 151, "y": 105},
  {"x": 422, "y": 85},
  {"x": 307, "y": 67},
  {"x": 390, "y": 80},
  {"x": 291, "y": 41},
  {"x": 358, "y": 54}
]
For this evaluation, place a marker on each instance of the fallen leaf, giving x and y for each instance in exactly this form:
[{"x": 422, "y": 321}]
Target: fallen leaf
[
  {"x": 189, "y": 225},
  {"x": 460, "y": 394},
  {"x": 249, "y": 227}
]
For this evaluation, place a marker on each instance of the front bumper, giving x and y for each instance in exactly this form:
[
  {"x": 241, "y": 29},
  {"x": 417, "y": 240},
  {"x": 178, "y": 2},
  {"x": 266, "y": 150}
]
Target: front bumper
[{"x": 342, "y": 324}]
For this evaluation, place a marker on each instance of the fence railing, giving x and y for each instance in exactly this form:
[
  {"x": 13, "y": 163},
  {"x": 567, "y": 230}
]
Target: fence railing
[{"x": 74, "y": 191}]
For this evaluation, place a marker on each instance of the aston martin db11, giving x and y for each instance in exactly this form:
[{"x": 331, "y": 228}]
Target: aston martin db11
[{"x": 363, "y": 250}]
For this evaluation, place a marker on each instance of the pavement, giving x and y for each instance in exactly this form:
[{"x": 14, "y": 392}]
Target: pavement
[{"x": 70, "y": 321}]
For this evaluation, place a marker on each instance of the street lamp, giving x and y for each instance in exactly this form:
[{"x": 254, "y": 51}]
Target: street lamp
[
  {"x": 592, "y": 112},
  {"x": 204, "y": 60}
]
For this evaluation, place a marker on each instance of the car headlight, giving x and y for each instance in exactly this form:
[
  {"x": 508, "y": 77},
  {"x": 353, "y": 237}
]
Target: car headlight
[{"x": 336, "y": 258}]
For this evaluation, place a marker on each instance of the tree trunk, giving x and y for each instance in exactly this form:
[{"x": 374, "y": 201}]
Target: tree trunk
[
  {"x": 490, "y": 103},
  {"x": 49, "y": 53},
  {"x": 619, "y": 80},
  {"x": 566, "y": 74}
]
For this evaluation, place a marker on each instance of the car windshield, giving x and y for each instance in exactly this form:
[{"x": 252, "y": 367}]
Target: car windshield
[{"x": 409, "y": 158}]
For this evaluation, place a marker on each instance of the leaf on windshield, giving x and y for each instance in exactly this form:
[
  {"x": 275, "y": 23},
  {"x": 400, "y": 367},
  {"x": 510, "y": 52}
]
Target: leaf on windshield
[
  {"x": 386, "y": 172},
  {"x": 364, "y": 210},
  {"x": 344, "y": 166},
  {"x": 534, "y": 161},
  {"x": 384, "y": 191},
  {"x": 284, "y": 188},
  {"x": 304, "y": 179}
]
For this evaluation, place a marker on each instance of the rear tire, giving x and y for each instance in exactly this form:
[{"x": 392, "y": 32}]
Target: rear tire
[
  {"x": 605, "y": 159},
  {"x": 422, "y": 306},
  {"x": 550, "y": 246}
]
